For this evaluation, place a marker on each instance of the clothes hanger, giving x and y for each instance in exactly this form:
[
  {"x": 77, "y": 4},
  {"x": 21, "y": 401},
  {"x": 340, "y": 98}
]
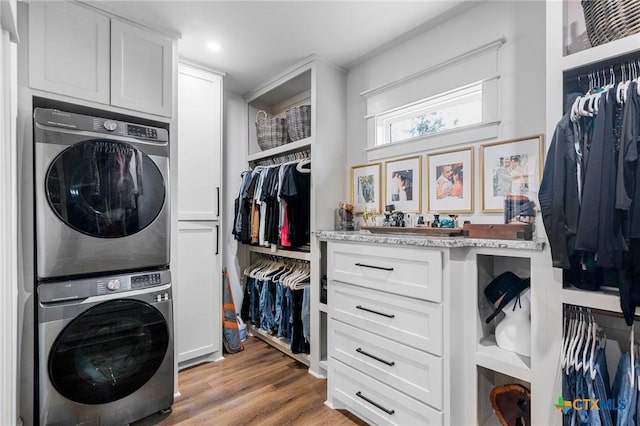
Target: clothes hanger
[
  {"x": 586, "y": 348},
  {"x": 579, "y": 340}
]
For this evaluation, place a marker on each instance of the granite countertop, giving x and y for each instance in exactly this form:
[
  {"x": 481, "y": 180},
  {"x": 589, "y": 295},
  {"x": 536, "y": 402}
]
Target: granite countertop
[{"x": 422, "y": 241}]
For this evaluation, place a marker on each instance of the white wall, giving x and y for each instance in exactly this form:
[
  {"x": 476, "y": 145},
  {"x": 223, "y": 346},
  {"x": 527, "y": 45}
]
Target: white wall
[
  {"x": 235, "y": 162},
  {"x": 522, "y": 82}
]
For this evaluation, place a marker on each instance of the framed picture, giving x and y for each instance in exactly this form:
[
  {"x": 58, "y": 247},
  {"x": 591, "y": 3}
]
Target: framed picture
[
  {"x": 403, "y": 179},
  {"x": 512, "y": 166},
  {"x": 450, "y": 181},
  {"x": 365, "y": 187}
]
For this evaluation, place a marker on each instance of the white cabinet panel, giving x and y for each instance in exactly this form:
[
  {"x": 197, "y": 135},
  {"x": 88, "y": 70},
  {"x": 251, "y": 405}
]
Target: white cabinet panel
[
  {"x": 69, "y": 50},
  {"x": 198, "y": 292},
  {"x": 199, "y": 143},
  {"x": 141, "y": 69}
]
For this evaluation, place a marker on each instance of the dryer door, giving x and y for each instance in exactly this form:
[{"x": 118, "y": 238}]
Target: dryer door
[
  {"x": 108, "y": 352},
  {"x": 105, "y": 188}
]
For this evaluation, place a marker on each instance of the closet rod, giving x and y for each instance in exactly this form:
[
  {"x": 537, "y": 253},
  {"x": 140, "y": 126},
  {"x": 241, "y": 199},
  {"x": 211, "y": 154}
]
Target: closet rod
[
  {"x": 300, "y": 155},
  {"x": 597, "y": 311},
  {"x": 603, "y": 69}
]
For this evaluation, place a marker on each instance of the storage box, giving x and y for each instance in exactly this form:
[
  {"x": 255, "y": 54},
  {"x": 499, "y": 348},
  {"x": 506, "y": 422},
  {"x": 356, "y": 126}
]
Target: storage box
[{"x": 510, "y": 231}]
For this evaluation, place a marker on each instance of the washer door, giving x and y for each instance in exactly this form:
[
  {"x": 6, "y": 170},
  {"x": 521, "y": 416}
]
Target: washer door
[
  {"x": 105, "y": 188},
  {"x": 108, "y": 352}
]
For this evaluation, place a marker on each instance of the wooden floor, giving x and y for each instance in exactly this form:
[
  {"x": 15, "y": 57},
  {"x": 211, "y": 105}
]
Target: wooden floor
[{"x": 258, "y": 386}]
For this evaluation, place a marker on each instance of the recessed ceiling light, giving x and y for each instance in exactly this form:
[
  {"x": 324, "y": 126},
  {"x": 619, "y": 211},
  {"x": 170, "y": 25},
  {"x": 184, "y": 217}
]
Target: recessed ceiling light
[{"x": 214, "y": 46}]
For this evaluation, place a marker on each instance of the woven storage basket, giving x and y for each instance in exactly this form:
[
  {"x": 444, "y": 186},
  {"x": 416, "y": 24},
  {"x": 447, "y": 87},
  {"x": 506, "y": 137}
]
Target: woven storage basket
[
  {"x": 608, "y": 20},
  {"x": 270, "y": 131},
  {"x": 299, "y": 122}
]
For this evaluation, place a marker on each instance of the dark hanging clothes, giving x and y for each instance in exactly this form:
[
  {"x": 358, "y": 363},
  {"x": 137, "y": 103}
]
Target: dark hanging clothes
[{"x": 296, "y": 191}]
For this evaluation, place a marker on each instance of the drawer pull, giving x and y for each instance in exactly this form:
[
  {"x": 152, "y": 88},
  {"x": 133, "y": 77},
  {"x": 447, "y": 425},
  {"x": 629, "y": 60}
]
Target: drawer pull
[
  {"x": 389, "y": 363},
  {"x": 374, "y": 267},
  {"x": 375, "y": 404},
  {"x": 375, "y": 312}
]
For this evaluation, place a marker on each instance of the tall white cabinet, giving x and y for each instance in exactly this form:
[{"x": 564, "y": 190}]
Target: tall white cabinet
[
  {"x": 322, "y": 85},
  {"x": 198, "y": 276}
]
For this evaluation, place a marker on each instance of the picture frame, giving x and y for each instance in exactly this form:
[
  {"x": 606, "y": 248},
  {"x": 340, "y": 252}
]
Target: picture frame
[
  {"x": 512, "y": 166},
  {"x": 449, "y": 180},
  {"x": 366, "y": 187},
  {"x": 403, "y": 184}
]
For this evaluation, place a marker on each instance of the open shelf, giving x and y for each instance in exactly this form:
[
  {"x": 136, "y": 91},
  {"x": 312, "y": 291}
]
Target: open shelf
[
  {"x": 287, "y": 148},
  {"x": 592, "y": 299},
  {"x": 279, "y": 343},
  {"x": 487, "y": 380},
  {"x": 276, "y": 251},
  {"x": 489, "y": 355},
  {"x": 600, "y": 53}
]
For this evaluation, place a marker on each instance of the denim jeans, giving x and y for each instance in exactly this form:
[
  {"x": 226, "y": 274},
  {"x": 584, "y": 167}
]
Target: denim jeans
[
  {"x": 569, "y": 394},
  {"x": 601, "y": 389},
  {"x": 287, "y": 313},
  {"x": 280, "y": 300},
  {"x": 254, "y": 300},
  {"x": 267, "y": 322},
  {"x": 623, "y": 391},
  {"x": 306, "y": 314}
]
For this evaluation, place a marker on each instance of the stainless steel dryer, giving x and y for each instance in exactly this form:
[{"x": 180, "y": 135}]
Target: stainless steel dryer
[
  {"x": 105, "y": 349},
  {"x": 101, "y": 195}
]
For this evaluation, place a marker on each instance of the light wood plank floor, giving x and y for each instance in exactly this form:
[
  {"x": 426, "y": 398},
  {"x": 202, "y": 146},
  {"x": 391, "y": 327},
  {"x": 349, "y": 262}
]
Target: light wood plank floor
[{"x": 258, "y": 386}]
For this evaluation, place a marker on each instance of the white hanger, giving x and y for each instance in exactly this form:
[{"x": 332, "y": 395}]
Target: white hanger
[
  {"x": 596, "y": 343},
  {"x": 302, "y": 163},
  {"x": 578, "y": 340},
  {"x": 585, "y": 348}
]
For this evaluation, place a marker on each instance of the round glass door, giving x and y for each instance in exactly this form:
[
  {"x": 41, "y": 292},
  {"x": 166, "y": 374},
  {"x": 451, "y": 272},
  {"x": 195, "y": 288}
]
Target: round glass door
[
  {"x": 108, "y": 352},
  {"x": 105, "y": 188}
]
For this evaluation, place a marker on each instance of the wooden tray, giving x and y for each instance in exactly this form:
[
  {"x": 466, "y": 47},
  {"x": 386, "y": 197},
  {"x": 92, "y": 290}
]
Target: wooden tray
[
  {"x": 499, "y": 231},
  {"x": 424, "y": 231}
]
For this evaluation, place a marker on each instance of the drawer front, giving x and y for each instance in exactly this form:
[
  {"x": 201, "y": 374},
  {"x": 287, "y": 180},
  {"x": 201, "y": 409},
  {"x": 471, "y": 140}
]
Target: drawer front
[
  {"x": 407, "y": 271},
  {"x": 412, "y": 322},
  {"x": 411, "y": 371},
  {"x": 376, "y": 402}
]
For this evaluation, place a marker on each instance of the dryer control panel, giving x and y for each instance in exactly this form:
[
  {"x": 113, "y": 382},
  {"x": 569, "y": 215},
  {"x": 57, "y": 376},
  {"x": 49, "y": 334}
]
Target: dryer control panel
[{"x": 146, "y": 280}]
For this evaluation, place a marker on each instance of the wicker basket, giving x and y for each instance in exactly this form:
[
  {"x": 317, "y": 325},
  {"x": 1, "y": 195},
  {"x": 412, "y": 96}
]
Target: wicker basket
[
  {"x": 299, "y": 122},
  {"x": 271, "y": 131},
  {"x": 608, "y": 20}
]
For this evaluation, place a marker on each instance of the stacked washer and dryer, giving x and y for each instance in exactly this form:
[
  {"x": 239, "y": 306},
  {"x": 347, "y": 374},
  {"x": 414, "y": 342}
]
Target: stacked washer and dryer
[{"x": 102, "y": 306}]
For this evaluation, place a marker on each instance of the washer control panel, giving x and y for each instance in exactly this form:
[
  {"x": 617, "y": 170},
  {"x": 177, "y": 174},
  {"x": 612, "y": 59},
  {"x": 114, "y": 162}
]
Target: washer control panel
[{"x": 146, "y": 280}]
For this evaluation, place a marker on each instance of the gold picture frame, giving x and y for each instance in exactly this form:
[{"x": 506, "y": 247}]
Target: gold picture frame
[
  {"x": 366, "y": 187},
  {"x": 508, "y": 167},
  {"x": 403, "y": 184},
  {"x": 450, "y": 181}
]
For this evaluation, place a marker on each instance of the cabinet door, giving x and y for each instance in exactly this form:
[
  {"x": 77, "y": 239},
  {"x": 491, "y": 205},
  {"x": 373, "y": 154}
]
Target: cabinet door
[
  {"x": 198, "y": 292},
  {"x": 141, "y": 69},
  {"x": 69, "y": 50},
  {"x": 199, "y": 143}
]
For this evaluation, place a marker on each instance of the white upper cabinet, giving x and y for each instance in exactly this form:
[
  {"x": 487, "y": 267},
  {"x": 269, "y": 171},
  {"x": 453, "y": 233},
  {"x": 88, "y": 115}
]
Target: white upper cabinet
[
  {"x": 76, "y": 51},
  {"x": 69, "y": 51},
  {"x": 141, "y": 69},
  {"x": 199, "y": 143}
]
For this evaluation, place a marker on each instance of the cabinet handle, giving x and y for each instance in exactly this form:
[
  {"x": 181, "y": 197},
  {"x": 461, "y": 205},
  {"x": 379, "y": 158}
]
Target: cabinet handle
[
  {"x": 218, "y": 190},
  {"x": 375, "y": 404},
  {"x": 389, "y": 363},
  {"x": 374, "y": 267},
  {"x": 217, "y": 239},
  {"x": 375, "y": 312}
]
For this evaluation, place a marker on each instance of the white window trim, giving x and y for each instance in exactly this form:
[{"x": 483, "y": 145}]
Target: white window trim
[{"x": 438, "y": 79}]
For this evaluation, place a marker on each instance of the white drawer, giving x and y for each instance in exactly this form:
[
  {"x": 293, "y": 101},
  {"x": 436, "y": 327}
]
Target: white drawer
[
  {"x": 374, "y": 401},
  {"x": 411, "y": 371},
  {"x": 408, "y": 271},
  {"x": 415, "y": 323}
]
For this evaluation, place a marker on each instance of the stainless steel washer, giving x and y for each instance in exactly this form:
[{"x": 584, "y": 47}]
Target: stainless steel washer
[
  {"x": 101, "y": 195},
  {"x": 105, "y": 349}
]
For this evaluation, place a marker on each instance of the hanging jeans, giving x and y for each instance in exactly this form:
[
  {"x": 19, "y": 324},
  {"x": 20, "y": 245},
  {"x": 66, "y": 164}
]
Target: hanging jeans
[
  {"x": 280, "y": 301},
  {"x": 601, "y": 389},
  {"x": 624, "y": 393},
  {"x": 267, "y": 322},
  {"x": 569, "y": 394},
  {"x": 254, "y": 286},
  {"x": 306, "y": 313}
]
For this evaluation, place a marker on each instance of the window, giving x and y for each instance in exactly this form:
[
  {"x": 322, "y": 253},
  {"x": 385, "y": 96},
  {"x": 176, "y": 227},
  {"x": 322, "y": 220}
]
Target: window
[{"x": 445, "y": 111}]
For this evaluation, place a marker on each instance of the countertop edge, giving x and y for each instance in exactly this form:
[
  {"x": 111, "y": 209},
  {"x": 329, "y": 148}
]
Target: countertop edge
[{"x": 424, "y": 241}]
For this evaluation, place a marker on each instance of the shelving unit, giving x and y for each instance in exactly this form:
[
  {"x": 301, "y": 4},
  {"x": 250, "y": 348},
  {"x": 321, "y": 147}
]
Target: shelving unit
[
  {"x": 323, "y": 86},
  {"x": 490, "y": 364},
  {"x": 279, "y": 343},
  {"x": 565, "y": 23}
]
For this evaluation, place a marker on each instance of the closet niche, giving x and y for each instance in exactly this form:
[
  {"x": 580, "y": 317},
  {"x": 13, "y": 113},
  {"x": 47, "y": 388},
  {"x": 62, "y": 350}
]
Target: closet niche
[{"x": 321, "y": 156}]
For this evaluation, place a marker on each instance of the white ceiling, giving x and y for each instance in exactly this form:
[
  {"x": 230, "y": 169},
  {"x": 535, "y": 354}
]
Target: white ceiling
[{"x": 262, "y": 38}]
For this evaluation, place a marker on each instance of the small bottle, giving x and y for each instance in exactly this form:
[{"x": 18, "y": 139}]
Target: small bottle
[
  {"x": 409, "y": 221},
  {"x": 436, "y": 221}
]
